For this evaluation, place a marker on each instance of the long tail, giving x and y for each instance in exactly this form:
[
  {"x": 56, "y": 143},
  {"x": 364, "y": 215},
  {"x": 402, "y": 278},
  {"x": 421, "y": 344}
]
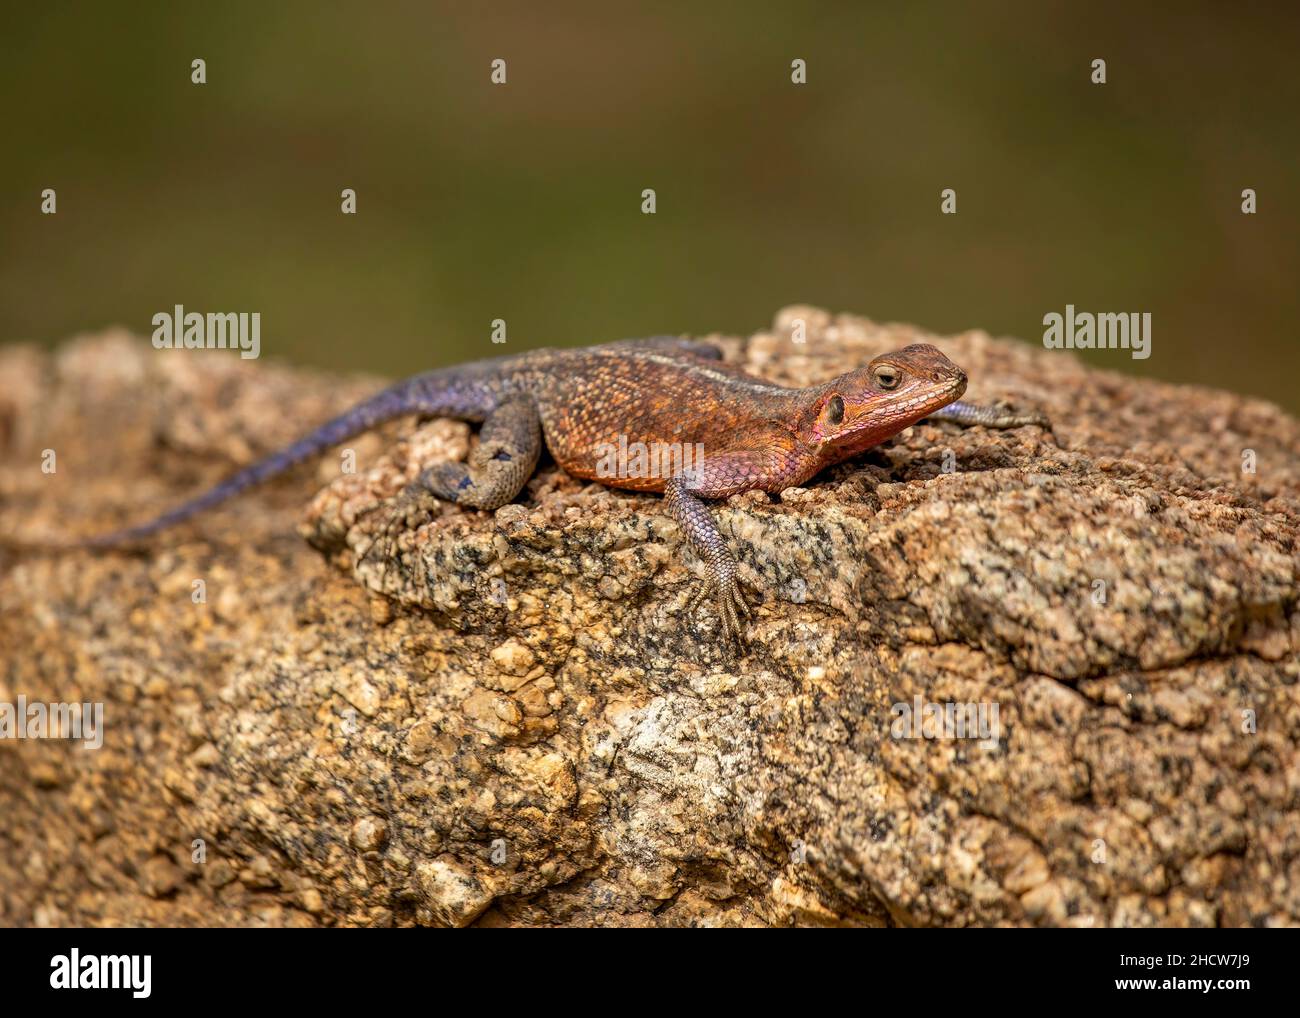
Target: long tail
[{"x": 451, "y": 392}]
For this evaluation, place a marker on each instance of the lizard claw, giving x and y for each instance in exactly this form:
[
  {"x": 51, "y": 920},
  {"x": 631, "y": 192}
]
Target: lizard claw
[
  {"x": 407, "y": 512},
  {"x": 383, "y": 541},
  {"x": 732, "y": 608}
]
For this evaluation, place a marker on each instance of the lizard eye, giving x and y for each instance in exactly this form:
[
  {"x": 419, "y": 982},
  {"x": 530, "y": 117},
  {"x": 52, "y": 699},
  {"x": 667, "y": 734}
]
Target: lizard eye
[
  {"x": 887, "y": 377},
  {"x": 835, "y": 410}
]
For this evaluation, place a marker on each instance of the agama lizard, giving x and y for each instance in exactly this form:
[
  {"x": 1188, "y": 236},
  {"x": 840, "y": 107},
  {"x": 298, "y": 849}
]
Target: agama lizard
[{"x": 661, "y": 393}]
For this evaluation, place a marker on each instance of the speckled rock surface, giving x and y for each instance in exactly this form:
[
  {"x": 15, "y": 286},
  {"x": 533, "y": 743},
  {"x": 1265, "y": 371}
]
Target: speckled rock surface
[{"x": 528, "y": 729}]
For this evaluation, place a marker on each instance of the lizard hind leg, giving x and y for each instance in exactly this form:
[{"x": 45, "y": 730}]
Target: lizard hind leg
[{"x": 509, "y": 445}]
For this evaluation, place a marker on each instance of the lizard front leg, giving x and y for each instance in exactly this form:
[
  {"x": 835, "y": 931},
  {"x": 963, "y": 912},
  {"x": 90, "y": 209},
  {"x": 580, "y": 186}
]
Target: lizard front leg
[
  {"x": 717, "y": 476},
  {"x": 989, "y": 416}
]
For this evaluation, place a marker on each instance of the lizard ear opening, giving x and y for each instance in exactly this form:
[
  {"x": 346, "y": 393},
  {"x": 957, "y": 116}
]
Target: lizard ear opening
[{"x": 835, "y": 409}]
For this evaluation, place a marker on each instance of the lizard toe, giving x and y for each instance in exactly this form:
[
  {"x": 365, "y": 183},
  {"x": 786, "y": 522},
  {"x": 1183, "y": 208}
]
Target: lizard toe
[
  {"x": 742, "y": 603},
  {"x": 696, "y": 599},
  {"x": 732, "y": 611}
]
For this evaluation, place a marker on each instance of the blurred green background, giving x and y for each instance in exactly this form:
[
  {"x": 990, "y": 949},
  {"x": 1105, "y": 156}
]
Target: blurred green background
[{"x": 522, "y": 201}]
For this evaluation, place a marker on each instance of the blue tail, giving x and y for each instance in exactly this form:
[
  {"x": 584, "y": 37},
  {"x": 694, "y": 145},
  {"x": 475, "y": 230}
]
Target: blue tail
[{"x": 451, "y": 393}]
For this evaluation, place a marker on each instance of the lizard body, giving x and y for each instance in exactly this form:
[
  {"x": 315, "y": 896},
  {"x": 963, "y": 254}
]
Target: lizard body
[{"x": 720, "y": 430}]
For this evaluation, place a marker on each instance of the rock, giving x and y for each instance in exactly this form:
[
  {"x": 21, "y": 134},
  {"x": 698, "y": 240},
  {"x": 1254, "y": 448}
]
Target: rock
[
  {"x": 159, "y": 877},
  {"x": 511, "y": 720},
  {"x": 452, "y": 893},
  {"x": 369, "y": 834}
]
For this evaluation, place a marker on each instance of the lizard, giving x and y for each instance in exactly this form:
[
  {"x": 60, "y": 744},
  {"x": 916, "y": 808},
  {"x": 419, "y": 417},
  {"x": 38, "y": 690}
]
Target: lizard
[{"x": 663, "y": 392}]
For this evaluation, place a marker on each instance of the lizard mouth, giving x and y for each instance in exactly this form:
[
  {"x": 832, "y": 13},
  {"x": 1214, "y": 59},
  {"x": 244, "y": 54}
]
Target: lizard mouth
[
  {"x": 881, "y": 419},
  {"x": 924, "y": 399},
  {"x": 931, "y": 397}
]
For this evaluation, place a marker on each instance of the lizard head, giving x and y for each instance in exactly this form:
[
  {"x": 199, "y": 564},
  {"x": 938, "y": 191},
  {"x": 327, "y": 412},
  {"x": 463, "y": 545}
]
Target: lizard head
[{"x": 867, "y": 406}]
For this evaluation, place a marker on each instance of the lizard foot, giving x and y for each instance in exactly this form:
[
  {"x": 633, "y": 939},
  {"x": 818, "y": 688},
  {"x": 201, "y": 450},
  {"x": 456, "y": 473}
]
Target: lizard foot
[
  {"x": 412, "y": 508},
  {"x": 997, "y": 415},
  {"x": 731, "y": 605},
  {"x": 1009, "y": 417}
]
